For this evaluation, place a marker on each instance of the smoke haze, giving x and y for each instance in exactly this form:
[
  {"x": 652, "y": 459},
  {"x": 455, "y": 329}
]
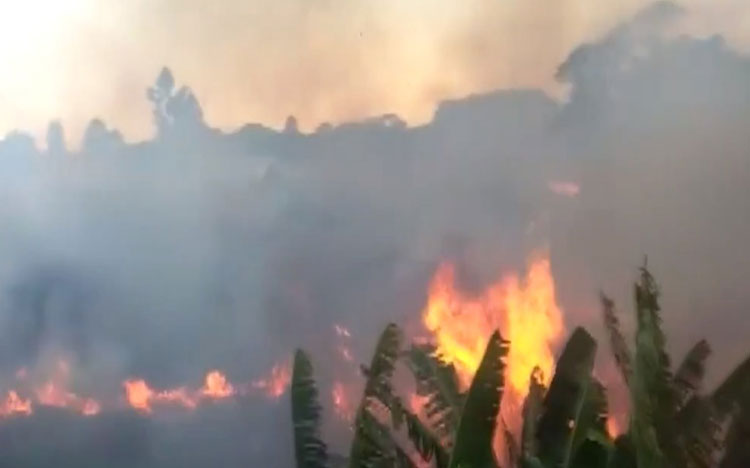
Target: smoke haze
[{"x": 203, "y": 248}]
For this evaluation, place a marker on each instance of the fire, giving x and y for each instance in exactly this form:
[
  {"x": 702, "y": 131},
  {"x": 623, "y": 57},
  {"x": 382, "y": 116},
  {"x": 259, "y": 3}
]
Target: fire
[
  {"x": 15, "y": 405},
  {"x": 216, "y": 386},
  {"x": 523, "y": 309},
  {"x": 138, "y": 394},
  {"x": 417, "y": 403},
  {"x": 275, "y": 384},
  {"x": 613, "y": 427},
  {"x": 142, "y": 397},
  {"x": 54, "y": 392},
  {"x": 341, "y": 404}
]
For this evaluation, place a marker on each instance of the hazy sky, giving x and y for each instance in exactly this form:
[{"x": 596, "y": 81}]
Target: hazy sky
[{"x": 321, "y": 60}]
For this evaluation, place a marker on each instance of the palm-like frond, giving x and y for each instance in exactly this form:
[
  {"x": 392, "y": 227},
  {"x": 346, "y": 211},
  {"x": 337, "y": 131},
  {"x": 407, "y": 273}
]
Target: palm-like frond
[
  {"x": 733, "y": 391},
  {"x": 310, "y": 451},
  {"x": 737, "y": 452},
  {"x": 512, "y": 453},
  {"x": 689, "y": 376},
  {"x": 438, "y": 382},
  {"x": 623, "y": 454},
  {"x": 592, "y": 422},
  {"x": 424, "y": 441},
  {"x": 374, "y": 447},
  {"x": 700, "y": 433},
  {"x": 652, "y": 393},
  {"x": 372, "y": 442},
  {"x": 616, "y": 339},
  {"x": 731, "y": 399},
  {"x": 473, "y": 447},
  {"x": 564, "y": 402},
  {"x": 532, "y": 408}
]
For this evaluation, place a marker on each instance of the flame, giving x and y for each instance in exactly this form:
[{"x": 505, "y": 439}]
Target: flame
[
  {"x": 217, "y": 386},
  {"x": 138, "y": 394},
  {"x": 341, "y": 403},
  {"x": 524, "y": 310},
  {"x": 417, "y": 403},
  {"x": 276, "y": 383},
  {"x": 142, "y": 397},
  {"x": 15, "y": 405},
  {"x": 613, "y": 427}
]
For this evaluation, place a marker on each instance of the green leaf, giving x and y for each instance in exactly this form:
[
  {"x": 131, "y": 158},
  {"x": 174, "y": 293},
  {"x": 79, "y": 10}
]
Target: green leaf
[
  {"x": 623, "y": 455},
  {"x": 737, "y": 452},
  {"x": 424, "y": 441},
  {"x": 476, "y": 429},
  {"x": 700, "y": 432},
  {"x": 689, "y": 376},
  {"x": 532, "y": 408},
  {"x": 372, "y": 443},
  {"x": 651, "y": 388},
  {"x": 563, "y": 405},
  {"x": 592, "y": 422},
  {"x": 310, "y": 451},
  {"x": 591, "y": 454},
  {"x": 616, "y": 339},
  {"x": 733, "y": 390},
  {"x": 438, "y": 381}
]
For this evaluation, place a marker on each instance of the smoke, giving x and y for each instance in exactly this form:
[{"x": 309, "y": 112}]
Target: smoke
[{"x": 202, "y": 249}]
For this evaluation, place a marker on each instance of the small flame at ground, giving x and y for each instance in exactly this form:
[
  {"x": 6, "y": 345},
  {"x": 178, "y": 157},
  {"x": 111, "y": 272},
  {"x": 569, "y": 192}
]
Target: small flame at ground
[
  {"x": 217, "y": 386},
  {"x": 275, "y": 384},
  {"x": 138, "y": 394},
  {"x": 15, "y": 405}
]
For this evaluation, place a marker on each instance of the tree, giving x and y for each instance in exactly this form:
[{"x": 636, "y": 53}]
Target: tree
[{"x": 176, "y": 111}]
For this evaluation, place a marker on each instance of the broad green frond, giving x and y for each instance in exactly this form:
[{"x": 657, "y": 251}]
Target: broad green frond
[
  {"x": 438, "y": 381},
  {"x": 701, "y": 433},
  {"x": 372, "y": 441},
  {"x": 473, "y": 447},
  {"x": 689, "y": 376},
  {"x": 592, "y": 424},
  {"x": 373, "y": 445},
  {"x": 652, "y": 394},
  {"x": 733, "y": 391},
  {"x": 564, "y": 402},
  {"x": 532, "y": 408},
  {"x": 310, "y": 451},
  {"x": 424, "y": 441},
  {"x": 616, "y": 339}
]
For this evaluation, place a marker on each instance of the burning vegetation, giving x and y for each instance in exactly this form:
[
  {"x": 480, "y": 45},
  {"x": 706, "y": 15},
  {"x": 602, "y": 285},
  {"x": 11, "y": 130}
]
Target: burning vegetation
[
  {"x": 138, "y": 394},
  {"x": 470, "y": 381}
]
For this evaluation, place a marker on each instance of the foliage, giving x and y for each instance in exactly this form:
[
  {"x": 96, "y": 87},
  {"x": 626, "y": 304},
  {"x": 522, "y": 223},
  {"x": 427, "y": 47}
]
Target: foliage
[
  {"x": 309, "y": 450},
  {"x": 476, "y": 429},
  {"x": 672, "y": 424},
  {"x": 438, "y": 382}
]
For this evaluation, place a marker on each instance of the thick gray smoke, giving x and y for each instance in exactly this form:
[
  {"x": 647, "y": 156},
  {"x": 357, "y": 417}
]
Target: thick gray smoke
[{"x": 200, "y": 249}]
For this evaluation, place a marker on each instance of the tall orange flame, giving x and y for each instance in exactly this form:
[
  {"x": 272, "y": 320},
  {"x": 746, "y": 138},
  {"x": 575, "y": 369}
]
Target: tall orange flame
[{"x": 524, "y": 310}]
